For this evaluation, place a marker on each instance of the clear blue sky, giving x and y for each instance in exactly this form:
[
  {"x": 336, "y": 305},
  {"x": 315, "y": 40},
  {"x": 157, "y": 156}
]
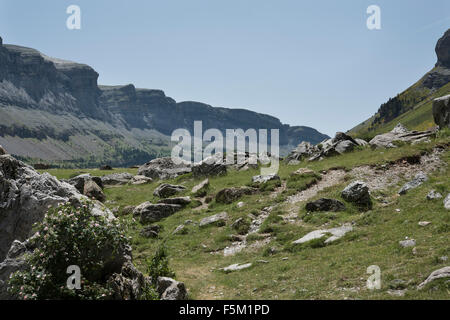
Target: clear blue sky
[{"x": 309, "y": 63}]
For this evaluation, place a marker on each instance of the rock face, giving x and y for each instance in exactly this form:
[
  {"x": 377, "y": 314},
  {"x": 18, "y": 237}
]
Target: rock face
[
  {"x": 170, "y": 289},
  {"x": 167, "y": 190},
  {"x": 229, "y": 195},
  {"x": 164, "y": 168},
  {"x": 212, "y": 166},
  {"x": 441, "y": 111},
  {"x": 443, "y": 50},
  {"x": 400, "y": 133},
  {"x": 116, "y": 179},
  {"x": 324, "y": 204},
  {"x": 357, "y": 192},
  {"x": 217, "y": 219},
  {"x": 437, "y": 274},
  {"x": 149, "y": 212},
  {"x": 414, "y": 183}
]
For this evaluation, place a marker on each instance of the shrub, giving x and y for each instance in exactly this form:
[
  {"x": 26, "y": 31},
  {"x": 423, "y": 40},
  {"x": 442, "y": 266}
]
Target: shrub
[
  {"x": 69, "y": 236},
  {"x": 159, "y": 266}
]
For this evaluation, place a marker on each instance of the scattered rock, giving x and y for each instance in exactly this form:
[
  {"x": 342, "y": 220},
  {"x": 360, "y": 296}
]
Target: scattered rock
[
  {"x": 178, "y": 229},
  {"x": 217, "y": 219},
  {"x": 129, "y": 284},
  {"x": 441, "y": 111},
  {"x": 201, "y": 189},
  {"x": 2, "y": 151},
  {"x": 166, "y": 190},
  {"x": 150, "y": 231},
  {"x": 149, "y": 212},
  {"x": 265, "y": 178},
  {"x": 443, "y": 258},
  {"x": 325, "y": 204},
  {"x": 407, "y": 243},
  {"x": 240, "y": 204},
  {"x": 447, "y": 202},
  {"x": 357, "y": 192},
  {"x": 128, "y": 210},
  {"x": 164, "y": 168},
  {"x": 302, "y": 151},
  {"x": 238, "y": 223},
  {"x": 437, "y": 274},
  {"x": 336, "y": 233},
  {"x": 116, "y": 179},
  {"x": 211, "y": 166},
  {"x": 397, "y": 293},
  {"x": 106, "y": 168},
  {"x": 424, "y": 223},
  {"x": 236, "y": 267},
  {"x": 400, "y": 133},
  {"x": 170, "y": 289},
  {"x": 182, "y": 201},
  {"x": 303, "y": 171},
  {"x": 139, "y": 180},
  {"x": 93, "y": 191},
  {"x": 229, "y": 195},
  {"x": 414, "y": 183},
  {"x": 433, "y": 194}
]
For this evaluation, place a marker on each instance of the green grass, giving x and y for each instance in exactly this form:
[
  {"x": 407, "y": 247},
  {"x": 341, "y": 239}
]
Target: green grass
[{"x": 313, "y": 270}]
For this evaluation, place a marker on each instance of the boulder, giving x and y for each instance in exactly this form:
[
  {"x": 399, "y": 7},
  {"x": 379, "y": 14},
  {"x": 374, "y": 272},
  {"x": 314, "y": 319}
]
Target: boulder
[
  {"x": 229, "y": 195},
  {"x": 236, "y": 267},
  {"x": 138, "y": 180},
  {"x": 170, "y": 289},
  {"x": 302, "y": 151},
  {"x": 345, "y": 146},
  {"x": 357, "y": 192},
  {"x": 433, "y": 194},
  {"x": 182, "y": 201},
  {"x": 414, "y": 183},
  {"x": 400, "y": 133},
  {"x": 324, "y": 204},
  {"x": 93, "y": 191},
  {"x": 336, "y": 233},
  {"x": 79, "y": 181},
  {"x": 149, "y": 212},
  {"x": 127, "y": 210},
  {"x": 437, "y": 274},
  {"x": 303, "y": 171},
  {"x": 164, "y": 168},
  {"x": 217, "y": 219},
  {"x": 129, "y": 284},
  {"x": 407, "y": 243},
  {"x": 265, "y": 178},
  {"x": 441, "y": 111},
  {"x": 211, "y": 166},
  {"x": 166, "y": 190},
  {"x": 106, "y": 167},
  {"x": 150, "y": 231},
  {"x": 116, "y": 179},
  {"x": 201, "y": 189},
  {"x": 2, "y": 151},
  {"x": 179, "y": 229},
  {"x": 447, "y": 202}
]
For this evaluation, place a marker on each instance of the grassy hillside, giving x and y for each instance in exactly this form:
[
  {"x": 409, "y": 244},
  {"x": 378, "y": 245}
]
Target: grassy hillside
[
  {"x": 412, "y": 108},
  {"x": 313, "y": 270}
]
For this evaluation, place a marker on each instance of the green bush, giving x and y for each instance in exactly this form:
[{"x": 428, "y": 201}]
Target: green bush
[
  {"x": 159, "y": 266},
  {"x": 69, "y": 236}
]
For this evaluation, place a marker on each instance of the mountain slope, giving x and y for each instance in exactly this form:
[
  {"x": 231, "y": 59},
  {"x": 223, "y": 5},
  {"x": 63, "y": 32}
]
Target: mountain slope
[
  {"x": 53, "y": 111},
  {"x": 413, "y": 107}
]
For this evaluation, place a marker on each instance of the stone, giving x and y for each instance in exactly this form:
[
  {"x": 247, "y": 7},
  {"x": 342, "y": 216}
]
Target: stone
[
  {"x": 424, "y": 223},
  {"x": 240, "y": 204},
  {"x": 357, "y": 192},
  {"x": 2, "y": 151},
  {"x": 336, "y": 233},
  {"x": 93, "y": 191},
  {"x": 150, "y": 231},
  {"x": 106, "y": 168},
  {"x": 419, "y": 179},
  {"x": 229, "y": 195},
  {"x": 139, "y": 180},
  {"x": 164, "y": 168},
  {"x": 443, "y": 50},
  {"x": 437, "y": 274},
  {"x": 149, "y": 212},
  {"x": 129, "y": 284},
  {"x": 217, "y": 219},
  {"x": 447, "y": 202},
  {"x": 344, "y": 146},
  {"x": 433, "y": 194},
  {"x": 116, "y": 179},
  {"x": 182, "y": 201},
  {"x": 211, "y": 166},
  {"x": 400, "y": 133},
  {"x": 201, "y": 189},
  {"x": 325, "y": 204},
  {"x": 407, "y": 243},
  {"x": 128, "y": 210},
  {"x": 170, "y": 289},
  {"x": 179, "y": 229},
  {"x": 261, "y": 179},
  {"x": 166, "y": 190},
  {"x": 303, "y": 171},
  {"x": 79, "y": 181},
  {"x": 302, "y": 151},
  {"x": 441, "y": 111},
  {"x": 236, "y": 267}
]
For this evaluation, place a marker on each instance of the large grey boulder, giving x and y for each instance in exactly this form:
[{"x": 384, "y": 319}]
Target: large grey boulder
[
  {"x": 166, "y": 190},
  {"x": 302, "y": 151},
  {"x": 400, "y": 133},
  {"x": 117, "y": 179},
  {"x": 93, "y": 191},
  {"x": 357, "y": 192},
  {"x": 336, "y": 233},
  {"x": 419, "y": 179},
  {"x": 217, "y": 219},
  {"x": 149, "y": 212},
  {"x": 325, "y": 204},
  {"x": 211, "y": 166},
  {"x": 441, "y": 111},
  {"x": 79, "y": 181},
  {"x": 229, "y": 195},
  {"x": 201, "y": 189},
  {"x": 170, "y": 289},
  {"x": 164, "y": 168},
  {"x": 437, "y": 274},
  {"x": 182, "y": 201}
]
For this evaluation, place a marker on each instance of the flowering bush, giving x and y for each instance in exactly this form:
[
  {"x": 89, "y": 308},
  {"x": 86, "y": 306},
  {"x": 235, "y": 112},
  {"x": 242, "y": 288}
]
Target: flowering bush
[{"x": 70, "y": 236}]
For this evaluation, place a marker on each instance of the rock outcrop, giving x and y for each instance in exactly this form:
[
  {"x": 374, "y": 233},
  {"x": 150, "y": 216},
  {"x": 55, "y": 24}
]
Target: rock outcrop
[
  {"x": 164, "y": 168},
  {"x": 166, "y": 190},
  {"x": 217, "y": 219},
  {"x": 170, "y": 289},
  {"x": 414, "y": 183},
  {"x": 441, "y": 111},
  {"x": 400, "y": 134},
  {"x": 358, "y": 193},
  {"x": 325, "y": 204},
  {"x": 229, "y": 195},
  {"x": 437, "y": 274},
  {"x": 149, "y": 212}
]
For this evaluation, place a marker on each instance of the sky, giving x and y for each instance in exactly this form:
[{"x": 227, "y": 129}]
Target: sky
[{"x": 312, "y": 63}]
